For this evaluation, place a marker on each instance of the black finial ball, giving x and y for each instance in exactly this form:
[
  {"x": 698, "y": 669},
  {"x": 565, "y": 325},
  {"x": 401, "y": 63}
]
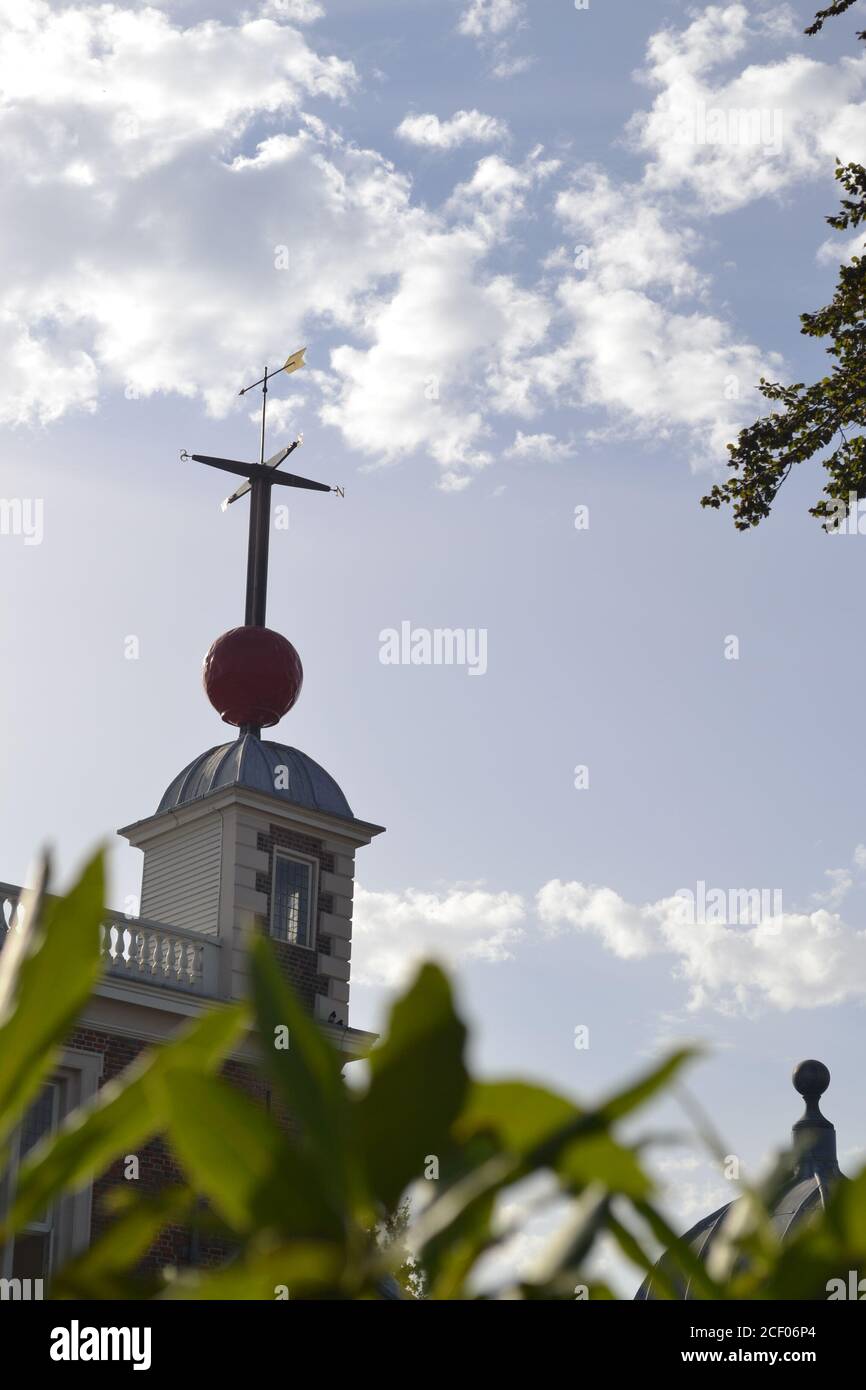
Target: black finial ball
[{"x": 811, "y": 1079}]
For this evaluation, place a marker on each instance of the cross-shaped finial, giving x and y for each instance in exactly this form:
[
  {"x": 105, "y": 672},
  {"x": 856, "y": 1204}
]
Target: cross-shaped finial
[{"x": 260, "y": 478}]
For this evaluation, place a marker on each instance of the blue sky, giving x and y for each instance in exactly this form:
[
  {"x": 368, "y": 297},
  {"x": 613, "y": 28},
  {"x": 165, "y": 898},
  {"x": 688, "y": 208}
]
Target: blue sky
[{"x": 432, "y": 172}]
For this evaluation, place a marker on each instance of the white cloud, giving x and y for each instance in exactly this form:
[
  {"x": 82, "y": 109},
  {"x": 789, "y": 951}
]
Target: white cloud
[
  {"x": 145, "y": 238},
  {"x": 508, "y": 66},
  {"x": 130, "y": 259},
  {"x": 835, "y": 251},
  {"x": 491, "y": 18},
  {"x": 662, "y": 372},
  {"x": 634, "y": 336},
  {"x": 435, "y": 389},
  {"x": 732, "y": 138},
  {"x": 736, "y": 950},
  {"x": 498, "y": 191},
  {"x": 791, "y": 960},
  {"x": 282, "y": 412},
  {"x": 465, "y": 127},
  {"x": 142, "y": 249},
  {"x": 780, "y": 22},
  {"x": 295, "y": 11},
  {"x": 143, "y": 229},
  {"x": 629, "y": 932},
  {"x": 631, "y": 341},
  {"x": 190, "y": 297},
  {"x": 405, "y": 390},
  {"x": 692, "y": 1183},
  {"x": 841, "y": 882},
  {"x": 632, "y": 241},
  {"x": 541, "y": 448},
  {"x": 493, "y": 24},
  {"x": 40, "y": 382},
  {"x": 393, "y": 932},
  {"x": 120, "y": 91}
]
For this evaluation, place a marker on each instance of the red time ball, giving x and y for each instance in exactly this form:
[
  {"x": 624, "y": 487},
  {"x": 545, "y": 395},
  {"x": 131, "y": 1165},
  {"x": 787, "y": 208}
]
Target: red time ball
[{"x": 253, "y": 676}]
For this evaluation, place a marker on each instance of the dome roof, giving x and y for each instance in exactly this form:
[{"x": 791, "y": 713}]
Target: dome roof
[
  {"x": 805, "y": 1195},
  {"x": 271, "y": 768},
  {"x": 814, "y": 1170}
]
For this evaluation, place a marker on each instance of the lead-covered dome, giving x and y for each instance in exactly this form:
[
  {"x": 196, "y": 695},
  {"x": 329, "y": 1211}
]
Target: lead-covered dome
[
  {"x": 814, "y": 1171},
  {"x": 262, "y": 766}
]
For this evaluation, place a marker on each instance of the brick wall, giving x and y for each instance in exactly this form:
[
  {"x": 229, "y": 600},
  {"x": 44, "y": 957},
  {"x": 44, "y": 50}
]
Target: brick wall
[{"x": 156, "y": 1166}]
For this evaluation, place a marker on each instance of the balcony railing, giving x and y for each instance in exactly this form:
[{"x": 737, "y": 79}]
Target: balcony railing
[{"x": 149, "y": 953}]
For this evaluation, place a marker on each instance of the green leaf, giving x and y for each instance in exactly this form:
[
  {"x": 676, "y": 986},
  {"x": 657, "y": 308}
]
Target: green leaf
[
  {"x": 829, "y": 414},
  {"x": 306, "y": 1269},
  {"x": 417, "y": 1086},
  {"x": 449, "y": 1257},
  {"x": 47, "y": 974},
  {"x": 307, "y": 1073},
  {"x": 103, "y": 1270},
  {"x": 648, "y": 1085},
  {"x": 235, "y": 1153},
  {"x": 125, "y": 1113},
  {"x": 664, "y": 1286},
  {"x": 824, "y": 1249},
  {"x": 846, "y": 1214},
  {"x": 542, "y": 1128},
  {"x": 561, "y": 1261},
  {"x": 533, "y": 1128},
  {"x": 518, "y": 1113},
  {"x": 679, "y": 1256},
  {"x": 599, "y": 1158}
]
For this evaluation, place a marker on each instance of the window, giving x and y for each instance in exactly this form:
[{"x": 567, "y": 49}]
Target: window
[
  {"x": 64, "y": 1228},
  {"x": 292, "y": 900},
  {"x": 32, "y": 1247}
]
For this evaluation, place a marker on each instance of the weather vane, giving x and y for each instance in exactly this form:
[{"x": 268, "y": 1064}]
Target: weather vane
[
  {"x": 252, "y": 675},
  {"x": 260, "y": 478}
]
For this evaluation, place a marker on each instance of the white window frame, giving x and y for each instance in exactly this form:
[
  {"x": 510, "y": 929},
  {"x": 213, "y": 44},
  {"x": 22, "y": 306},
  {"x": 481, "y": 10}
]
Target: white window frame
[
  {"x": 313, "y": 866},
  {"x": 76, "y": 1080},
  {"x": 45, "y": 1226}
]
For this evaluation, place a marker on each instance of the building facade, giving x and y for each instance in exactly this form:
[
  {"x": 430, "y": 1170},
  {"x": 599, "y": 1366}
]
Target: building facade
[{"x": 253, "y": 836}]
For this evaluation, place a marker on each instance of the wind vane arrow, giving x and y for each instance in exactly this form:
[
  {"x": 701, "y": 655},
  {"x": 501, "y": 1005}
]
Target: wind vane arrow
[
  {"x": 291, "y": 364},
  {"x": 260, "y": 478}
]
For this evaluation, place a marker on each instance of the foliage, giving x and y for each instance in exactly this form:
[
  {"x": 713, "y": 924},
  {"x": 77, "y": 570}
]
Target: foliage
[
  {"x": 330, "y": 1207},
  {"x": 393, "y": 1235},
  {"x": 811, "y": 419},
  {"x": 838, "y": 7}
]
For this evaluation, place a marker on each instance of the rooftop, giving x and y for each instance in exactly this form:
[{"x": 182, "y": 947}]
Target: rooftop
[
  {"x": 272, "y": 768},
  {"x": 814, "y": 1169}
]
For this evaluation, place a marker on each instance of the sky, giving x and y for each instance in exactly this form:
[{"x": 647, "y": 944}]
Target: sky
[{"x": 541, "y": 255}]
